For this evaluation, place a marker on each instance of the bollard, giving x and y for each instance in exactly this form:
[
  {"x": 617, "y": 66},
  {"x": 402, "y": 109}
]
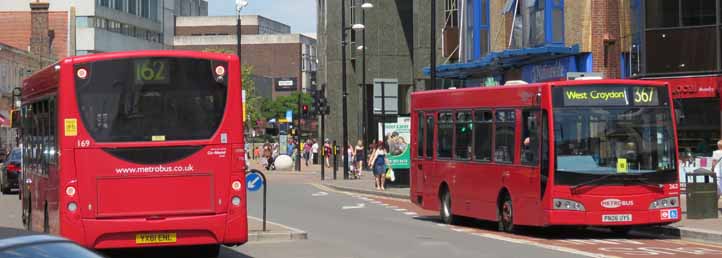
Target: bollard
[
  {"x": 335, "y": 163},
  {"x": 265, "y": 189}
]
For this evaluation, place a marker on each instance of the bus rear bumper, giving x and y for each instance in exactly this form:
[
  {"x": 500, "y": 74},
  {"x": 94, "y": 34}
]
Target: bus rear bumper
[
  {"x": 595, "y": 218},
  {"x": 189, "y": 230}
]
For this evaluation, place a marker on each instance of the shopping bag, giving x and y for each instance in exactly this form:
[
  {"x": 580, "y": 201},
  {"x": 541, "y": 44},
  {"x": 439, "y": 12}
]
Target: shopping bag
[{"x": 390, "y": 174}]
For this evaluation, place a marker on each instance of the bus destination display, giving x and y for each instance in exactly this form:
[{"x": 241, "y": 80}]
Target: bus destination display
[
  {"x": 151, "y": 71},
  {"x": 610, "y": 96}
]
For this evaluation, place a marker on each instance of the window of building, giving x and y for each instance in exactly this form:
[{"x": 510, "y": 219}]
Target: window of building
[
  {"x": 529, "y": 146},
  {"x": 451, "y": 13},
  {"x": 483, "y": 31},
  {"x": 698, "y": 12},
  {"x": 469, "y": 33},
  {"x": 536, "y": 22},
  {"x": 662, "y": 13},
  {"x": 420, "y": 135},
  {"x": 429, "y": 137},
  {"x": 463, "y": 135},
  {"x": 504, "y": 136},
  {"x": 153, "y": 10},
  {"x": 483, "y": 124},
  {"x": 104, "y": 3},
  {"x": 144, "y": 5},
  {"x": 446, "y": 135},
  {"x": 119, "y": 5},
  {"x": 132, "y": 7}
]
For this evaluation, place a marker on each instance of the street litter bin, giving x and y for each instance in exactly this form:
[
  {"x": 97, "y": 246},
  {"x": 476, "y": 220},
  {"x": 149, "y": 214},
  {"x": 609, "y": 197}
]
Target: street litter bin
[{"x": 702, "y": 194}]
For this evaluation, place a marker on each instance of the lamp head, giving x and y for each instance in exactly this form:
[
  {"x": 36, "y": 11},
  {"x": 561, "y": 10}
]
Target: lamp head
[
  {"x": 358, "y": 27},
  {"x": 367, "y": 5}
]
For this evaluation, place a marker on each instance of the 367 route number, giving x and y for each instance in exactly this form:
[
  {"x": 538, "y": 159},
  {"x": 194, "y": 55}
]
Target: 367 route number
[{"x": 83, "y": 143}]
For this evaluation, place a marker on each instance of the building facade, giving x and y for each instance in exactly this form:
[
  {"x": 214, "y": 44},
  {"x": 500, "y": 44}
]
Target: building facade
[
  {"x": 283, "y": 62},
  {"x": 390, "y": 47},
  {"x": 91, "y": 26},
  {"x": 679, "y": 42}
]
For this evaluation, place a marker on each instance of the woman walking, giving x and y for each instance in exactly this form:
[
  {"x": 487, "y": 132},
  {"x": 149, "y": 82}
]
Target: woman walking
[
  {"x": 380, "y": 162},
  {"x": 359, "y": 157}
]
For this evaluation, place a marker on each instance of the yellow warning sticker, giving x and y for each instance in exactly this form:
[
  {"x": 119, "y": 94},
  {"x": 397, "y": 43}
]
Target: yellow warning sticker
[
  {"x": 158, "y": 138},
  {"x": 71, "y": 127},
  {"x": 621, "y": 165}
]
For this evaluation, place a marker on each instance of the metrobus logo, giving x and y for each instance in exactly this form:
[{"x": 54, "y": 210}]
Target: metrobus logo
[{"x": 615, "y": 203}]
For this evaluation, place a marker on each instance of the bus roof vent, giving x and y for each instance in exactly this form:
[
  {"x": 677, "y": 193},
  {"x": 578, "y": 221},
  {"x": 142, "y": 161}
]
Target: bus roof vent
[
  {"x": 515, "y": 82},
  {"x": 584, "y": 76}
]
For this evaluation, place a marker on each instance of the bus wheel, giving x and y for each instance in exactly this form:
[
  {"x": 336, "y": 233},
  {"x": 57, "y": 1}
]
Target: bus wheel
[
  {"x": 506, "y": 215},
  {"x": 46, "y": 221},
  {"x": 445, "y": 211}
]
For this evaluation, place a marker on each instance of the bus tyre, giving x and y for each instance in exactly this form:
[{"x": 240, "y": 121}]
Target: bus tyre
[
  {"x": 506, "y": 215},
  {"x": 445, "y": 211}
]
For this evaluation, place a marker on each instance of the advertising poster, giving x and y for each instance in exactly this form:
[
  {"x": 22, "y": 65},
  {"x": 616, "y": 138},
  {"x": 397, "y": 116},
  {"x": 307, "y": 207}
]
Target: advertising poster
[{"x": 398, "y": 137}]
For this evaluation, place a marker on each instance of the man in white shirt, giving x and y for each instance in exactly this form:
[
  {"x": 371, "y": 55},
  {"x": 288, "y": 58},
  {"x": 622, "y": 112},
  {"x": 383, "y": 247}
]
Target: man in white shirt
[{"x": 314, "y": 152}]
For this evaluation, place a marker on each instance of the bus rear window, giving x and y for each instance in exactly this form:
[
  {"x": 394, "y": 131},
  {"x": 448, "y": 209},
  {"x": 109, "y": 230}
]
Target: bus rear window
[{"x": 151, "y": 99}]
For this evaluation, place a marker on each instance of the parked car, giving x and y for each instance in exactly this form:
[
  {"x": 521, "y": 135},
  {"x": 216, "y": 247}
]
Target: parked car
[
  {"x": 16, "y": 243},
  {"x": 10, "y": 171}
]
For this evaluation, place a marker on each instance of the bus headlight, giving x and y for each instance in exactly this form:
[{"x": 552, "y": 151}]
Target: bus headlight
[
  {"x": 72, "y": 206},
  {"x": 236, "y": 201},
  {"x": 669, "y": 202},
  {"x": 563, "y": 204}
]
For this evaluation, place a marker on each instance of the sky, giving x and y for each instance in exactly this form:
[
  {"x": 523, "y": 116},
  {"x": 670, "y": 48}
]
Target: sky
[{"x": 299, "y": 14}]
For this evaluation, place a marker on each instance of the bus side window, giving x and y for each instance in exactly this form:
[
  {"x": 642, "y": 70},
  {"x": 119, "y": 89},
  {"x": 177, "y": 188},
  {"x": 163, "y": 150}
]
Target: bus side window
[
  {"x": 544, "y": 151},
  {"x": 430, "y": 137},
  {"x": 530, "y": 137},
  {"x": 483, "y": 124},
  {"x": 504, "y": 135},
  {"x": 462, "y": 143},
  {"x": 446, "y": 135}
]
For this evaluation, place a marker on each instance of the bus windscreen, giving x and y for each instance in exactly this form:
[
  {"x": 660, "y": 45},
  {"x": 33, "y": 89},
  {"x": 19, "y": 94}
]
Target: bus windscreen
[
  {"x": 151, "y": 99},
  {"x": 603, "y": 135}
]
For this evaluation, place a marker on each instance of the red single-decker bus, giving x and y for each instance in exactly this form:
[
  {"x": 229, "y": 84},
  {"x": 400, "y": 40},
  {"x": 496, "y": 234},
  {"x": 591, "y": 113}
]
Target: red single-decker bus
[
  {"x": 136, "y": 149},
  {"x": 575, "y": 153}
]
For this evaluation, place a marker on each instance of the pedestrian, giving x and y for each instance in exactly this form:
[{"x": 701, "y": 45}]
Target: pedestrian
[
  {"x": 314, "y": 152},
  {"x": 307, "y": 151},
  {"x": 379, "y": 162},
  {"x": 327, "y": 152},
  {"x": 359, "y": 157},
  {"x": 291, "y": 148},
  {"x": 256, "y": 153},
  {"x": 350, "y": 152}
]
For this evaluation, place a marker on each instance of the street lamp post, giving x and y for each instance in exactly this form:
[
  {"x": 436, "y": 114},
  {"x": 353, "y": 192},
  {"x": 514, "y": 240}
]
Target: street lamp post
[
  {"x": 344, "y": 93},
  {"x": 240, "y": 4},
  {"x": 432, "y": 60},
  {"x": 364, "y": 6}
]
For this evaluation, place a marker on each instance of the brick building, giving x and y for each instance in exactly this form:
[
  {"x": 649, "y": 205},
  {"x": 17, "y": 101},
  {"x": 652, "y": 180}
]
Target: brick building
[
  {"x": 92, "y": 26},
  {"x": 282, "y": 60}
]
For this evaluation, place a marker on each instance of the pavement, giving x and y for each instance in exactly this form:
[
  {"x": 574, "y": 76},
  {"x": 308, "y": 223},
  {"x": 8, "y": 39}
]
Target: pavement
[
  {"x": 274, "y": 231},
  {"x": 700, "y": 230}
]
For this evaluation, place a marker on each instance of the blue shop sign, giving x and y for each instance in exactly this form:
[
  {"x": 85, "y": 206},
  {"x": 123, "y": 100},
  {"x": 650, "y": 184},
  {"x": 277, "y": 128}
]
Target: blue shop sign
[{"x": 550, "y": 70}]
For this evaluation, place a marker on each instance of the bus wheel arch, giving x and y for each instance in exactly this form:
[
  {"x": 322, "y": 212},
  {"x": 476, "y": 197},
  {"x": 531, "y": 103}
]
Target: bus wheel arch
[
  {"x": 444, "y": 194},
  {"x": 505, "y": 211}
]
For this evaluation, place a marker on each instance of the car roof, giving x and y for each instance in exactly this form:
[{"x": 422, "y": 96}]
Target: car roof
[{"x": 12, "y": 237}]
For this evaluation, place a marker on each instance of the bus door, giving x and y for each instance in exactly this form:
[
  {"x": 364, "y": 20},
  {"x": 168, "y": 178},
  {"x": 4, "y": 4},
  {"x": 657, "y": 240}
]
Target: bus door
[
  {"x": 530, "y": 156},
  {"x": 426, "y": 166},
  {"x": 417, "y": 177}
]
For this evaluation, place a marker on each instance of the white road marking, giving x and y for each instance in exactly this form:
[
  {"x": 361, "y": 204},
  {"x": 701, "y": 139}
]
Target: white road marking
[
  {"x": 441, "y": 225},
  {"x": 319, "y": 194},
  {"x": 400, "y": 209},
  {"x": 393, "y": 207},
  {"x": 411, "y": 213},
  {"x": 545, "y": 246},
  {"x": 461, "y": 229},
  {"x": 357, "y": 206}
]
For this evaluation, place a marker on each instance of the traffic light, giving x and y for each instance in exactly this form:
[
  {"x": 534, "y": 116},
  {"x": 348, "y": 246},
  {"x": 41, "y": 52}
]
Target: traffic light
[{"x": 304, "y": 111}]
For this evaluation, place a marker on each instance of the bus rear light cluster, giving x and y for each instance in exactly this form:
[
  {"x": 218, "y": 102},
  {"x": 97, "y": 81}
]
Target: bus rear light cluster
[
  {"x": 236, "y": 185},
  {"x": 82, "y": 73},
  {"x": 220, "y": 70},
  {"x": 563, "y": 204},
  {"x": 72, "y": 206},
  {"x": 236, "y": 201},
  {"x": 70, "y": 191},
  {"x": 670, "y": 202}
]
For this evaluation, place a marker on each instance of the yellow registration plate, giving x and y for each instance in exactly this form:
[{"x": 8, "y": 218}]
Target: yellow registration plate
[{"x": 155, "y": 238}]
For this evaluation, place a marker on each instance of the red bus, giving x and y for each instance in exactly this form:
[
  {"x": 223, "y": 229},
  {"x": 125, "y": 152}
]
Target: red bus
[
  {"x": 576, "y": 153},
  {"x": 136, "y": 149}
]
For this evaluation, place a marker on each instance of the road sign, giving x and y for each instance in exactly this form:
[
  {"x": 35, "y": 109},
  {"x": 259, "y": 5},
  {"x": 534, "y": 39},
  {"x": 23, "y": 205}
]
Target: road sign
[{"x": 254, "y": 182}]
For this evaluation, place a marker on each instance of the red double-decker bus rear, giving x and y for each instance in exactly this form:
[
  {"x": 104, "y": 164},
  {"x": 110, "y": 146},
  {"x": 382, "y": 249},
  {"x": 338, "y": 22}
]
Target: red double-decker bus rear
[{"x": 136, "y": 149}]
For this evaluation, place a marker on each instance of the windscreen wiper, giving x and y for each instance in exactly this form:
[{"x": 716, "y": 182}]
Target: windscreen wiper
[
  {"x": 645, "y": 181},
  {"x": 575, "y": 187}
]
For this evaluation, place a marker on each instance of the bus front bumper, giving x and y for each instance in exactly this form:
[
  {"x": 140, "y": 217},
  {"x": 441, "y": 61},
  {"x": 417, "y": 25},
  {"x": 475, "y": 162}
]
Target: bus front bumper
[
  {"x": 188, "y": 230},
  {"x": 612, "y": 218}
]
